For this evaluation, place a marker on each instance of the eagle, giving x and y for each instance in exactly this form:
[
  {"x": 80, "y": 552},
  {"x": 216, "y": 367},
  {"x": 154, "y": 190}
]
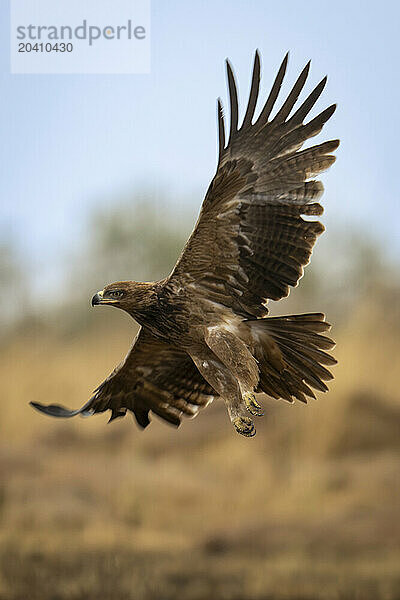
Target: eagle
[{"x": 204, "y": 330}]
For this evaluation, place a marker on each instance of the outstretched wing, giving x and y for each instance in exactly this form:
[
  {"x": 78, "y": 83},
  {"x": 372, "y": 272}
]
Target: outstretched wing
[
  {"x": 154, "y": 376},
  {"x": 250, "y": 242}
]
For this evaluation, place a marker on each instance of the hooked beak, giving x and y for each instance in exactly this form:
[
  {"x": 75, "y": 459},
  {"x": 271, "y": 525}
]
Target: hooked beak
[{"x": 97, "y": 298}]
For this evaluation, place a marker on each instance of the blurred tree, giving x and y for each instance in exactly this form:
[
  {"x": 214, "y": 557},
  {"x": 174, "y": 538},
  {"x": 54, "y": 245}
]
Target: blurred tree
[
  {"x": 140, "y": 242},
  {"x": 137, "y": 238},
  {"x": 140, "y": 239}
]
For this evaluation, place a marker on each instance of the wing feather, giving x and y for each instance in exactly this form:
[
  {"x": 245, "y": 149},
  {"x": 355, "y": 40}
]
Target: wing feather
[
  {"x": 307, "y": 105},
  {"x": 253, "y": 96},
  {"x": 273, "y": 95},
  {"x": 221, "y": 129},
  {"x": 291, "y": 100},
  {"x": 233, "y": 100},
  {"x": 153, "y": 377}
]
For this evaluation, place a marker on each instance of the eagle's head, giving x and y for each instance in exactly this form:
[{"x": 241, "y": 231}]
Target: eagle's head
[{"x": 131, "y": 296}]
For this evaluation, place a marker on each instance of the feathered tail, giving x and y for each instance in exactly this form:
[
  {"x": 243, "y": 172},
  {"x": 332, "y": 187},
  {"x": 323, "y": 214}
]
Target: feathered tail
[{"x": 291, "y": 354}]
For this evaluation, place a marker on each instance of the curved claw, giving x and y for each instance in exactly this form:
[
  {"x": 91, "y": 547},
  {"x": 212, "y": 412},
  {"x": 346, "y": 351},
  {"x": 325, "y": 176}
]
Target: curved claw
[
  {"x": 244, "y": 426},
  {"x": 252, "y": 405}
]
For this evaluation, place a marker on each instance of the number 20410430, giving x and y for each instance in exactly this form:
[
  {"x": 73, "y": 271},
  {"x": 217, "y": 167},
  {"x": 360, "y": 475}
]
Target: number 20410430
[{"x": 59, "y": 47}]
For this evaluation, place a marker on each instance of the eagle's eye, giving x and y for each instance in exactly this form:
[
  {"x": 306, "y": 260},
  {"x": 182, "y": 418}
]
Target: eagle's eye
[{"x": 115, "y": 293}]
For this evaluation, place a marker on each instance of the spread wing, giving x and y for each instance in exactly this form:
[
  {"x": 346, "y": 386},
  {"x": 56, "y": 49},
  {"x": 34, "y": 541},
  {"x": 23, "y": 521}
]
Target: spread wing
[
  {"x": 251, "y": 242},
  {"x": 154, "y": 376}
]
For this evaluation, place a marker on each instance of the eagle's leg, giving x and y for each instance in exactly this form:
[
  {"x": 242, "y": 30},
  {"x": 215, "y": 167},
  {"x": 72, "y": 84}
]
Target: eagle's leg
[
  {"x": 252, "y": 405},
  {"x": 223, "y": 382},
  {"x": 236, "y": 356}
]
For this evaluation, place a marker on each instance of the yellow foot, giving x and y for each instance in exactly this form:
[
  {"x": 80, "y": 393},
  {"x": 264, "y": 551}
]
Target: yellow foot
[
  {"x": 244, "y": 426},
  {"x": 252, "y": 405}
]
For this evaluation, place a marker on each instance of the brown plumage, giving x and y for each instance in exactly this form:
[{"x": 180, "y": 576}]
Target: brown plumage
[{"x": 205, "y": 330}]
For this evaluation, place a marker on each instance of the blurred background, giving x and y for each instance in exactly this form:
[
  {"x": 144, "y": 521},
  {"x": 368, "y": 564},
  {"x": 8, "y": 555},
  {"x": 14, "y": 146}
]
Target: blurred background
[{"x": 102, "y": 178}]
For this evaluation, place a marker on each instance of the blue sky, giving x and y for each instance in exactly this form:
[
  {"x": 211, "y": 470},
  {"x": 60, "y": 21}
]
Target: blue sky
[{"x": 73, "y": 141}]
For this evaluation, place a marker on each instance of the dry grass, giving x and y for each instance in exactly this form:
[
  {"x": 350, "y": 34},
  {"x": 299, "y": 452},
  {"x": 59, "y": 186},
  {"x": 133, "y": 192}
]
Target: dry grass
[{"x": 306, "y": 510}]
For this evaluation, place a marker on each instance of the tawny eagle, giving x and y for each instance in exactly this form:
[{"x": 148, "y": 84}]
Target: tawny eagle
[{"x": 204, "y": 328}]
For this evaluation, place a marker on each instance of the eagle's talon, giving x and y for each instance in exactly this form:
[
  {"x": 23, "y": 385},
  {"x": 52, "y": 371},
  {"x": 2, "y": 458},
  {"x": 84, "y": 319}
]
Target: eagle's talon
[
  {"x": 252, "y": 405},
  {"x": 244, "y": 426}
]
